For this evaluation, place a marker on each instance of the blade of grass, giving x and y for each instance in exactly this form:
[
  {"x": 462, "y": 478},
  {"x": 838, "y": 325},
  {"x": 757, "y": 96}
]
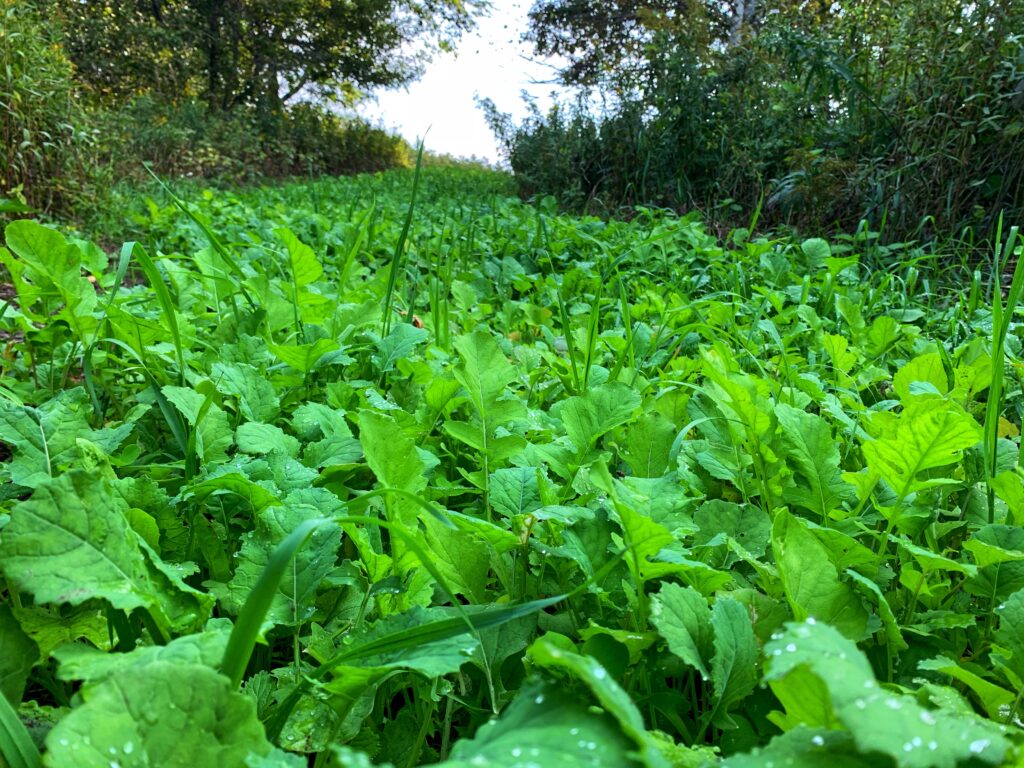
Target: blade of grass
[
  {"x": 1000, "y": 326},
  {"x": 397, "y": 259},
  {"x": 156, "y": 282},
  {"x": 247, "y": 627},
  {"x": 16, "y": 745},
  {"x": 215, "y": 242}
]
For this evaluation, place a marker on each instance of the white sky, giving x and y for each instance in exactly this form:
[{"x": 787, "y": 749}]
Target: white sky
[{"x": 489, "y": 62}]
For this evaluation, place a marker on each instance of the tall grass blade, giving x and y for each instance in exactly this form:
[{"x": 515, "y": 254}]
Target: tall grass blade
[
  {"x": 1001, "y": 319},
  {"x": 398, "y": 259},
  {"x": 214, "y": 241},
  {"x": 16, "y": 746},
  {"x": 156, "y": 282},
  {"x": 247, "y": 628}
]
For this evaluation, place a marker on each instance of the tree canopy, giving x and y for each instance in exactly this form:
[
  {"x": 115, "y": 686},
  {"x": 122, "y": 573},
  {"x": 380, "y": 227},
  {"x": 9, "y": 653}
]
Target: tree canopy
[{"x": 259, "y": 53}]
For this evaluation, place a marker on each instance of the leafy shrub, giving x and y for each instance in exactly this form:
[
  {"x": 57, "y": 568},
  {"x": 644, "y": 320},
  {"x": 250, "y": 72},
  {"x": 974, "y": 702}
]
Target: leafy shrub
[
  {"x": 909, "y": 115},
  {"x": 329, "y": 143},
  {"x": 47, "y": 137}
]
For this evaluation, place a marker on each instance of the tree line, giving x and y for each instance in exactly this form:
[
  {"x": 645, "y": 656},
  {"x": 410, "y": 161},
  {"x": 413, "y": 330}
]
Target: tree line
[{"x": 904, "y": 116}]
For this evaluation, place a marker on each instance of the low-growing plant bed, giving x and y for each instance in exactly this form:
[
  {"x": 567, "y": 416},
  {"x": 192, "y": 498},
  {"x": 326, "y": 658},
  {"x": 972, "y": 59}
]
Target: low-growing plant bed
[{"x": 351, "y": 476}]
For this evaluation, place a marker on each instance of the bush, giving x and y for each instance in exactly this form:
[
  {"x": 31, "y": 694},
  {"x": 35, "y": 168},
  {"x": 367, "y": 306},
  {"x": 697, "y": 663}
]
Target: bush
[
  {"x": 331, "y": 144},
  {"x": 48, "y": 136},
  {"x": 182, "y": 139},
  {"x": 905, "y": 115}
]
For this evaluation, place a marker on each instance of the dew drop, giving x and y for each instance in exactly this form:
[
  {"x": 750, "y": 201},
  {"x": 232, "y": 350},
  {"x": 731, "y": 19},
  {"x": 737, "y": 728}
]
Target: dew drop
[
  {"x": 517, "y": 752},
  {"x": 977, "y": 747},
  {"x": 818, "y": 741},
  {"x": 791, "y": 647}
]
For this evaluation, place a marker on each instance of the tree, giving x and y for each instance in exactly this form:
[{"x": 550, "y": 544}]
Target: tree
[
  {"x": 602, "y": 39},
  {"x": 260, "y": 53}
]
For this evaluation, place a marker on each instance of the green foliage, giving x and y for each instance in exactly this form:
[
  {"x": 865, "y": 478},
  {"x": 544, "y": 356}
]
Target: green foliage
[
  {"x": 47, "y": 137},
  {"x": 606, "y": 493},
  {"x": 905, "y": 115}
]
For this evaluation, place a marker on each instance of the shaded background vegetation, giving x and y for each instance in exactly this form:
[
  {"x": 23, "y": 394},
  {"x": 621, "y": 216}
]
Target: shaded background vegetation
[
  {"x": 91, "y": 91},
  {"x": 904, "y": 114},
  {"x": 903, "y": 117}
]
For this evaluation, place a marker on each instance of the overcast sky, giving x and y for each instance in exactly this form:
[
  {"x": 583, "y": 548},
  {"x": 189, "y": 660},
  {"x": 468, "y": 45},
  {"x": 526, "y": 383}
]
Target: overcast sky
[{"x": 490, "y": 62}]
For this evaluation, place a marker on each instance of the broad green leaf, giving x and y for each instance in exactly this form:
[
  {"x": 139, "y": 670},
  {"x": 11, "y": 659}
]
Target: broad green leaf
[
  {"x": 398, "y": 345},
  {"x": 303, "y": 264},
  {"x": 303, "y": 357},
  {"x": 44, "y": 440},
  {"x": 807, "y": 443},
  {"x": 804, "y": 747},
  {"x": 162, "y": 714},
  {"x": 929, "y": 434},
  {"x": 816, "y": 251},
  {"x": 391, "y": 454},
  {"x": 258, "y": 439},
  {"x": 514, "y": 491},
  {"x": 85, "y": 662},
  {"x": 1010, "y": 636},
  {"x": 682, "y": 617},
  {"x": 431, "y": 657},
  {"x": 648, "y": 443},
  {"x": 70, "y": 542},
  {"x": 929, "y": 560},
  {"x": 613, "y": 699},
  {"x": 994, "y": 700},
  {"x": 745, "y": 523},
  {"x": 987, "y": 553},
  {"x": 734, "y": 665},
  {"x": 588, "y": 416},
  {"x": 276, "y": 759},
  {"x": 811, "y": 580},
  {"x": 545, "y": 726},
  {"x": 51, "y": 627},
  {"x": 394, "y": 459},
  {"x": 213, "y": 436},
  {"x": 235, "y": 484},
  {"x": 49, "y": 265},
  {"x": 925, "y": 369},
  {"x": 878, "y": 721},
  {"x": 893, "y": 635},
  {"x": 293, "y": 602},
  {"x": 18, "y": 654},
  {"x": 257, "y": 400},
  {"x": 461, "y": 557},
  {"x": 484, "y": 372},
  {"x": 1005, "y": 574}
]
